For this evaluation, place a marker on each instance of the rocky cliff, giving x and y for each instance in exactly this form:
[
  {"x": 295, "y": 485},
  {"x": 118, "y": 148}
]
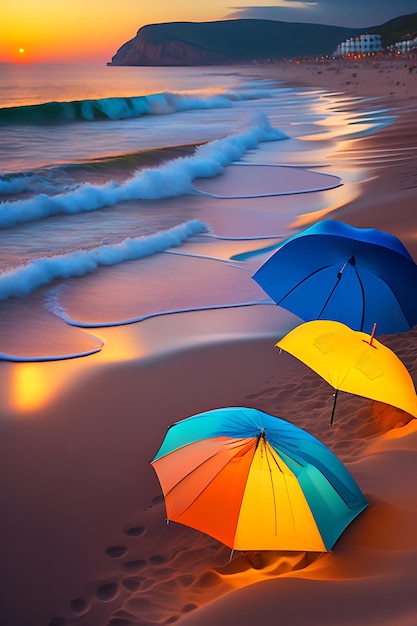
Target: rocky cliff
[
  {"x": 139, "y": 51},
  {"x": 229, "y": 41}
]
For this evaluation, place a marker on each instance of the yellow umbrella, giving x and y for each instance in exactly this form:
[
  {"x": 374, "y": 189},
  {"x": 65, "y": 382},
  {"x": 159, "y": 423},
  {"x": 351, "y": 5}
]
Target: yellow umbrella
[{"x": 352, "y": 361}]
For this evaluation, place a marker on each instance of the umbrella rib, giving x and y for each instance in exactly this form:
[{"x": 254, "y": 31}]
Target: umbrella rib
[
  {"x": 273, "y": 492},
  {"x": 272, "y": 487},
  {"x": 194, "y": 469},
  {"x": 206, "y": 485},
  {"x": 301, "y": 282},
  {"x": 339, "y": 276},
  {"x": 351, "y": 261},
  {"x": 392, "y": 292},
  {"x": 363, "y": 296}
]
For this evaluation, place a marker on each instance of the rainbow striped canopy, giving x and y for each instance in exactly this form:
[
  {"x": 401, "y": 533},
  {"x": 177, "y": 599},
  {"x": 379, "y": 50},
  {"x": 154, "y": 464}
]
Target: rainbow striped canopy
[{"x": 255, "y": 482}]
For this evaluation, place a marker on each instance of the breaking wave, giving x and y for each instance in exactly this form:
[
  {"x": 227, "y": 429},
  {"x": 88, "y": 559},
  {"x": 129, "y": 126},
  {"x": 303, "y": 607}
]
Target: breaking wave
[
  {"x": 171, "y": 179},
  {"x": 119, "y": 108},
  {"x": 21, "y": 281}
]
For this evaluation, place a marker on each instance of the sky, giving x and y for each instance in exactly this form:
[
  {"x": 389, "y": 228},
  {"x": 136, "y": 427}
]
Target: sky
[{"x": 60, "y": 31}]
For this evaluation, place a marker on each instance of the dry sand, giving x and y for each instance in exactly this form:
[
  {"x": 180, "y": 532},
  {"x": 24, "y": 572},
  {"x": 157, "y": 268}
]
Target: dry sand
[{"x": 84, "y": 539}]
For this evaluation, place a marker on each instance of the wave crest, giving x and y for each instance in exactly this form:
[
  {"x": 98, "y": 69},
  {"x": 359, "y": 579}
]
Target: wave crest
[
  {"x": 171, "y": 179},
  {"x": 119, "y": 108},
  {"x": 21, "y": 281}
]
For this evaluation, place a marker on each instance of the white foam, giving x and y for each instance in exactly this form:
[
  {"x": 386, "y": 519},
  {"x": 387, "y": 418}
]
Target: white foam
[
  {"x": 171, "y": 179},
  {"x": 15, "y": 185},
  {"x": 23, "y": 280}
]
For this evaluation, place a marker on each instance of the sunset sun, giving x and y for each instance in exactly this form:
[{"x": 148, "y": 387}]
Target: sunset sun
[{"x": 21, "y": 50}]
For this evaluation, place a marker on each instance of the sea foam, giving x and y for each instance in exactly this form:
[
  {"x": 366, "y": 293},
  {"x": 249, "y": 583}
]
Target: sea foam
[
  {"x": 24, "y": 279},
  {"x": 17, "y": 184},
  {"x": 174, "y": 178}
]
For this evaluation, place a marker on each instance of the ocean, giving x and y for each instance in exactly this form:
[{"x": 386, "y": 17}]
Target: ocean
[{"x": 127, "y": 193}]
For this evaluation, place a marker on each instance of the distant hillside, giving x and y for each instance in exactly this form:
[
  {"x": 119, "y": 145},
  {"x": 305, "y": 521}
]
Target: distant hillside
[
  {"x": 396, "y": 29},
  {"x": 230, "y": 41},
  {"x": 243, "y": 41}
]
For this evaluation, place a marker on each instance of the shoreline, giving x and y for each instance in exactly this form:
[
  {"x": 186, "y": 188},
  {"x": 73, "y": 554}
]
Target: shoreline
[
  {"x": 389, "y": 154},
  {"x": 86, "y": 535}
]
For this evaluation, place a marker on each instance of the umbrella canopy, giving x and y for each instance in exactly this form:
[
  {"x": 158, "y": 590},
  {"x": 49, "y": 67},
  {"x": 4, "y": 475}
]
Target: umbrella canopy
[
  {"x": 255, "y": 482},
  {"x": 352, "y": 275},
  {"x": 352, "y": 361}
]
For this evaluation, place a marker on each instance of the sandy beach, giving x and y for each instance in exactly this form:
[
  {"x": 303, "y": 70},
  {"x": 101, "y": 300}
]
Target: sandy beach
[{"x": 84, "y": 536}]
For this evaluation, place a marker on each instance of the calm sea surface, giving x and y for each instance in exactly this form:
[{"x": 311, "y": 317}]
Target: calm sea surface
[{"x": 127, "y": 192}]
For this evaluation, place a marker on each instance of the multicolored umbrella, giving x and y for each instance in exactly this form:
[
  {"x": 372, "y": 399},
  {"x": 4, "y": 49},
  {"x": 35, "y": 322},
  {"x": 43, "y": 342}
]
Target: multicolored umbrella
[
  {"x": 255, "y": 482},
  {"x": 352, "y": 361},
  {"x": 334, "y": 271}
]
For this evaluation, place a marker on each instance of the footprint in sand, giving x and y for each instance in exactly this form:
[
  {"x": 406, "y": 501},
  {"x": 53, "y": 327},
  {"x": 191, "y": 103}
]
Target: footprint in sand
[
  {"x": 80, "y": 606},
  {"x": 134, "y": 531},
  {"x": 132, "y": 583},
  {"x": 134, "y": 566},
  {"x": 155, "y": 501},
  {"x": 107, "y": 592},
  {"x": 157, "y": 559},
  {"x": 115, "y": 552}
]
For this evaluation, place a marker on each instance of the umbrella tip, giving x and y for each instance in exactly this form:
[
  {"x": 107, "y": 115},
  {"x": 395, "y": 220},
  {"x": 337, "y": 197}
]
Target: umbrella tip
[{"x": 261, "y": 436}]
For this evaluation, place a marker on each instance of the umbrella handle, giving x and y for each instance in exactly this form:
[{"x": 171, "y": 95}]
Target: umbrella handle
[
  {"x": 372, "y": 335},
  {"x": 334, "y": 406}
]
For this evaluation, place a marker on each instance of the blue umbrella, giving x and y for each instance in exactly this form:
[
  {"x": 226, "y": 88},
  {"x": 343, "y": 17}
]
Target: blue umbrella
[{"x": 333, "y": 271}]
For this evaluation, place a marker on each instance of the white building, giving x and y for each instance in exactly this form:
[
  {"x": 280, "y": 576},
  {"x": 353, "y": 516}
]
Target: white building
[
  {"x": 404, "y": 46},
  {"x": 363, "y": 44}
]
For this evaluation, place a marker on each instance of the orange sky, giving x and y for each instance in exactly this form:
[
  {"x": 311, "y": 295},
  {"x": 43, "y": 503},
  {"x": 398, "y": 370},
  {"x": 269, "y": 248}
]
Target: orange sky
[
  {"x": 93, "y": 30},
  {"x": 77, "y": 30}
]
